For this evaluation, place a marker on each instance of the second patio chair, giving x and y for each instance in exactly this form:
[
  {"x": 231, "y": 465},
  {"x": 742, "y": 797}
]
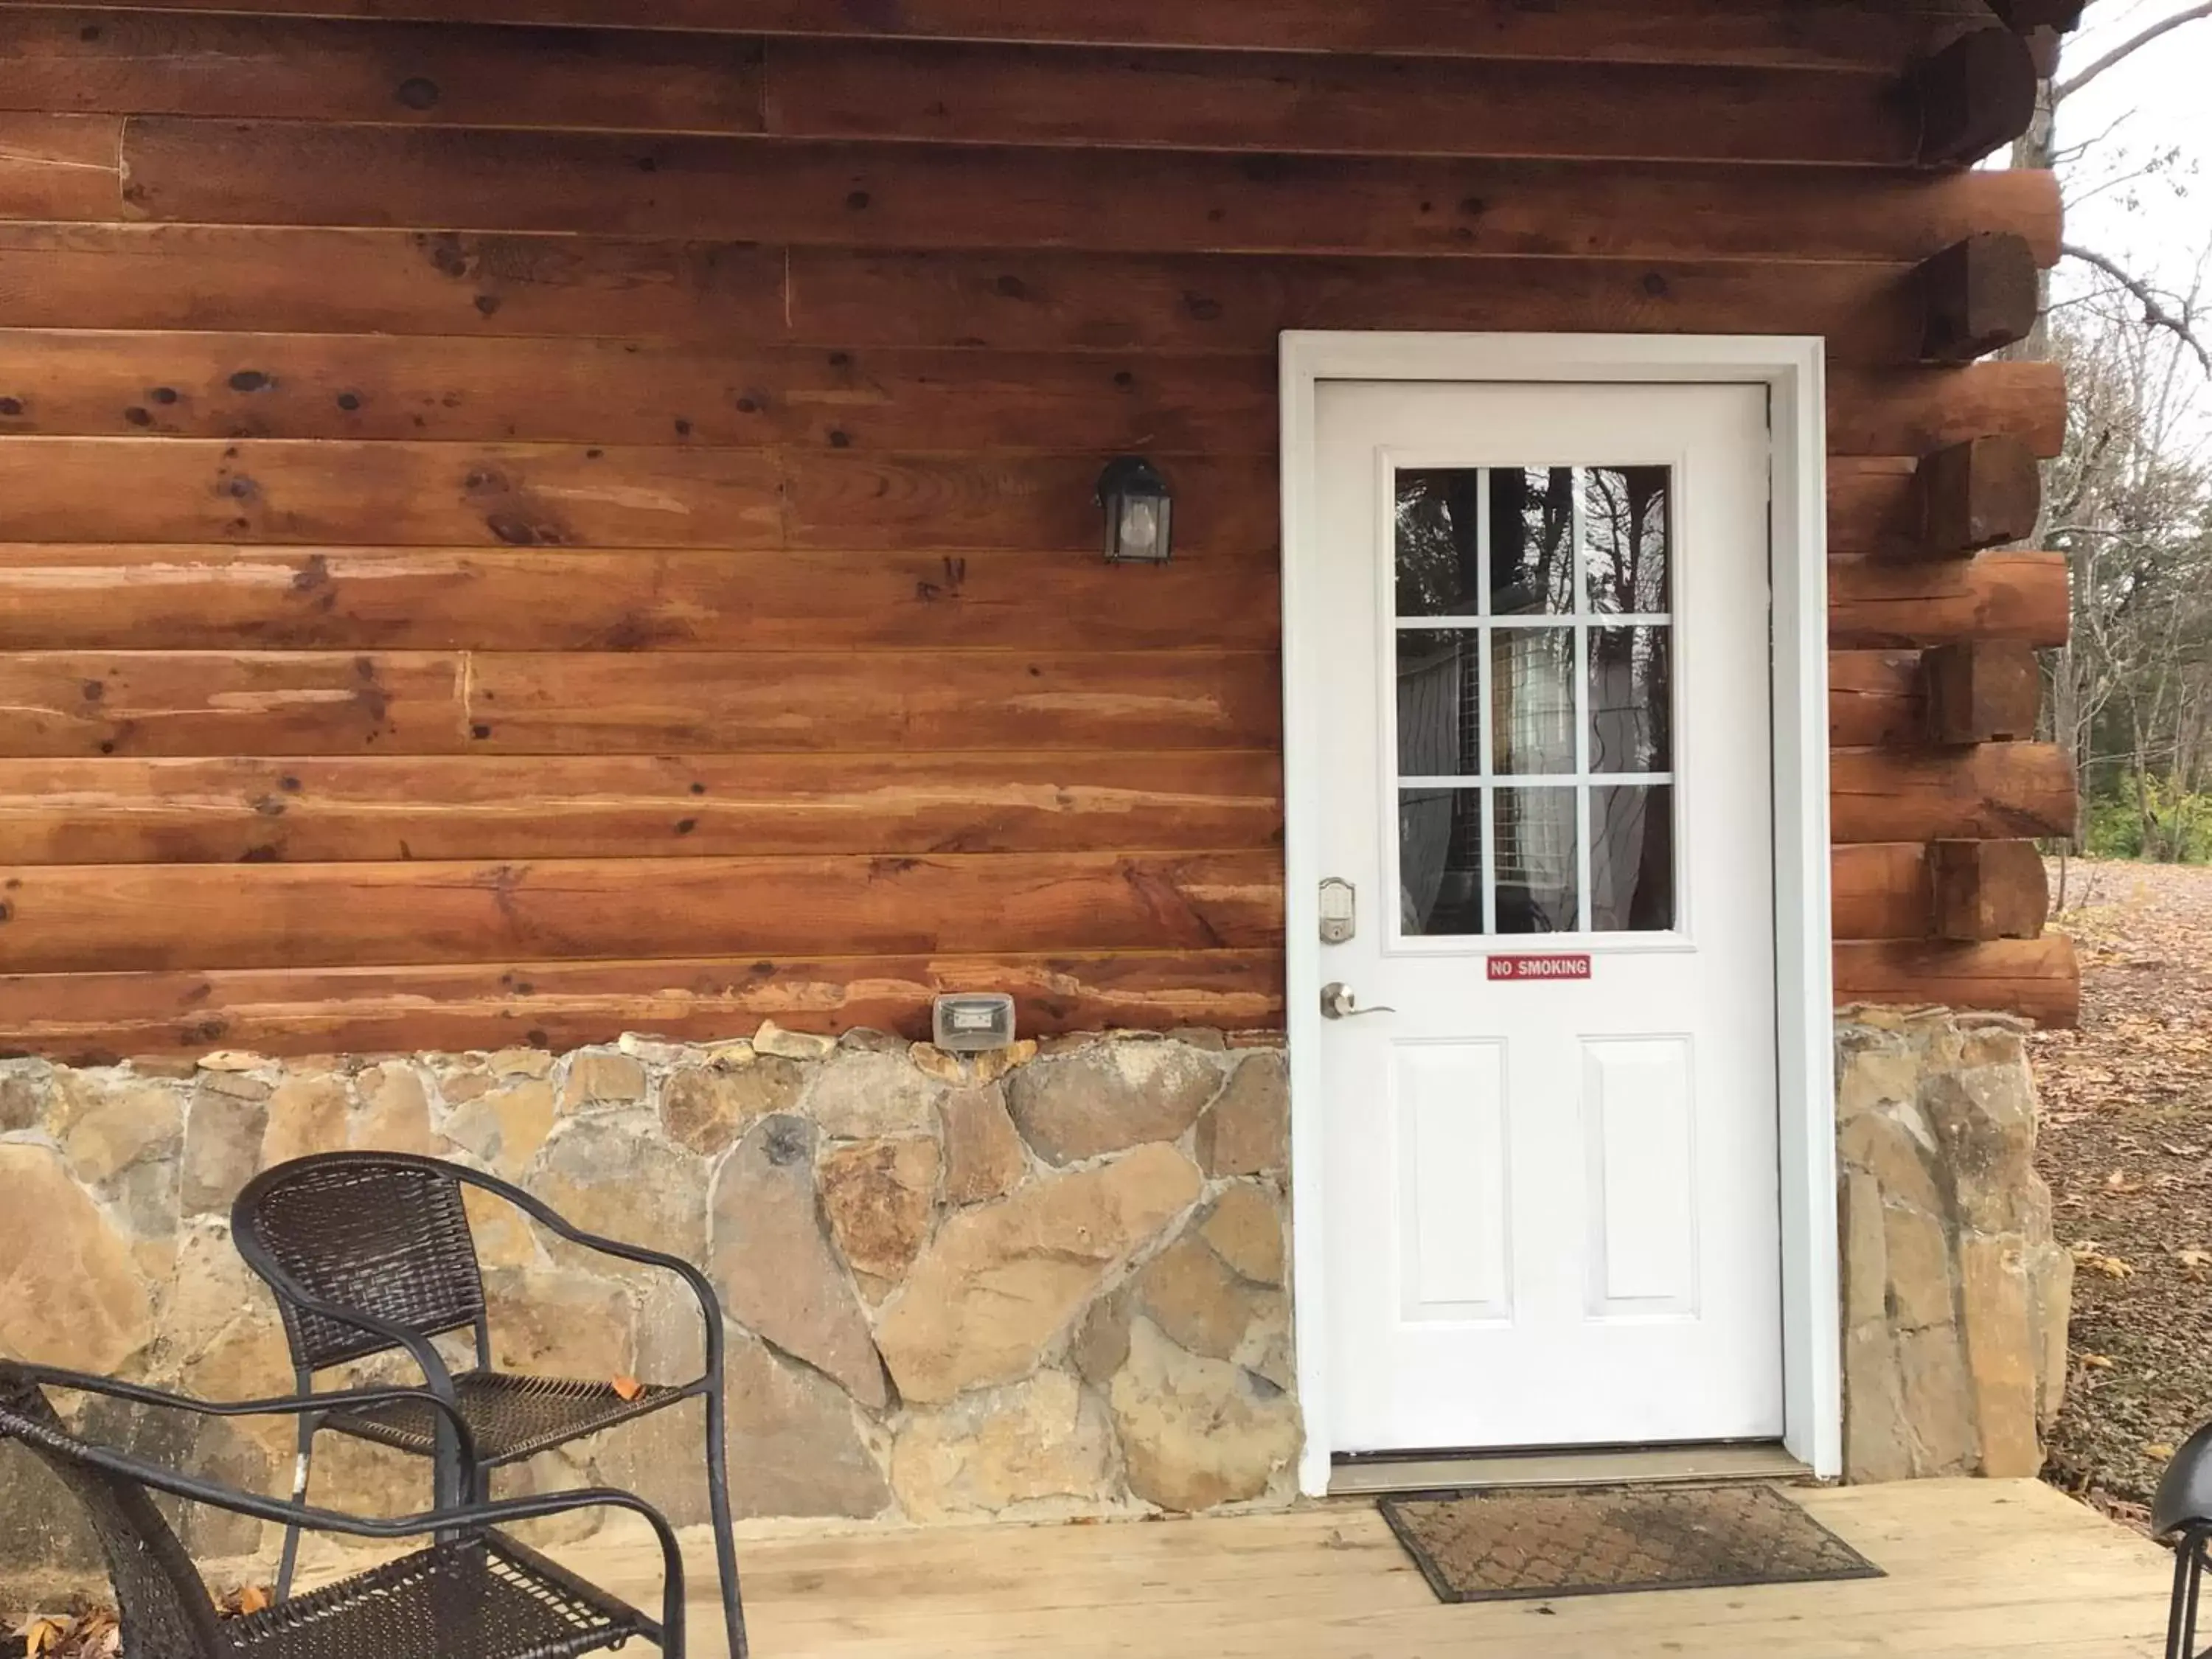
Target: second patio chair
[{"x": 371, "y": 1252}]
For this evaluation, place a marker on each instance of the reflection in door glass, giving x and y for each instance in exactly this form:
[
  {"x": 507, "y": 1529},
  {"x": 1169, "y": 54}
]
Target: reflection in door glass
[
  {"x": 1632, "y": 858},
  {"x": 1532, "y": 700},
  {"x": 1439, "y": 703},
  {"x": 1536, "y": 673},
  {"x": 1631, "y": 700},
  {"x": 1440, "y": 862},
  {"x": 1440, "y": 542},
  {"x": 1625, "y": 536},
  {"x": 1537, "y": 862}
]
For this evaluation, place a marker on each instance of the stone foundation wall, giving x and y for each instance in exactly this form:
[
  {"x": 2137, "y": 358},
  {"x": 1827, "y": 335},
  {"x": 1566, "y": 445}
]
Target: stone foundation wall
[
  {"x": 1043, "y": 1282},
  {"x": 1955, "y": 1294}
]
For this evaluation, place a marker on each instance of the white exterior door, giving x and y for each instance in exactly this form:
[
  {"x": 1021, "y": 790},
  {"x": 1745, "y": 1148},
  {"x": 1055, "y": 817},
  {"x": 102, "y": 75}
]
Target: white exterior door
[{"x": 1549, "y": 1087}]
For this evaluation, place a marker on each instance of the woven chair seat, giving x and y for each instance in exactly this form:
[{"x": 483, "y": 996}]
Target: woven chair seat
[
  {"x": 510, "y": 1417},
  {"x": 482, "y": 1597}
]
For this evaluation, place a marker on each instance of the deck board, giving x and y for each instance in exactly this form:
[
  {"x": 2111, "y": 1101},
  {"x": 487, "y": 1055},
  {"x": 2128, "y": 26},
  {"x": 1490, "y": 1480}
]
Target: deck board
[{"x": 1976, "y": 1568}]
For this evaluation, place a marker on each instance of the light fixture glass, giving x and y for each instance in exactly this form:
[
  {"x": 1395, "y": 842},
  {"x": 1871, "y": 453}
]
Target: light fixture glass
[{"x": 1138, "y": 511}]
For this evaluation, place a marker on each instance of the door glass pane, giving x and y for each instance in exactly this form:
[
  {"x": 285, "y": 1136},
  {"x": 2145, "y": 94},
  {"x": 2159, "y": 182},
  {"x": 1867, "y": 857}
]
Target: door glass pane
[
  {"x": 1440, "y": 542},
  {"x": 1532, "y": 700},
  {"x": 1625, "y": 549},
  {"x": 1536, "y": 860},
  {"x": 1532, "y": 525},
  {"x": 1439, "y": 703},
  {"x": 1440, "y": 862},
  {"x": 1632, "y": 859},
  {"x": 1631, "y": 700}
]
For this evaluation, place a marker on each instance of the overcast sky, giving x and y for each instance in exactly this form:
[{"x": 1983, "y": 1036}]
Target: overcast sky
[{"x": 2159, "y": 100}]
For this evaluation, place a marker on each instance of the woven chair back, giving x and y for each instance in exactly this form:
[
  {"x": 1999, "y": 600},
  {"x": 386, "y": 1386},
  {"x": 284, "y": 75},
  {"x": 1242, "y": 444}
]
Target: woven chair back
[
  {"x": 165, "y": 1608},
  {"x": 386, "y": 1237}
]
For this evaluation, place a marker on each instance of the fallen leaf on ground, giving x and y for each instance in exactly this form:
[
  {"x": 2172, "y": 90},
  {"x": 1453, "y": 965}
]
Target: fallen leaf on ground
[{"x": 627, "y": 1388}]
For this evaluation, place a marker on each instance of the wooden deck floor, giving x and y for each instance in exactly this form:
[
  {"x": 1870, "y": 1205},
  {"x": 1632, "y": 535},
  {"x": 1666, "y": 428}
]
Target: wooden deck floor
[{"x": 1976, "y": 1568}]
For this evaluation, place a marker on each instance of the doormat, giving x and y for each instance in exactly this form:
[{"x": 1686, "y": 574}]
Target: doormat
[{"x": 1515, "y": 1546}]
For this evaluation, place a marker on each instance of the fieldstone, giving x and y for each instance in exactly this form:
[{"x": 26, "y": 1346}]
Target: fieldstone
[
  {"x": 1878, "y": 1443},
  {"x": 1198, "y": 1432},
  {"x": 607, "y": 1175},
  {"x": 43, "y": 1530},
  {"x": 2050, "y": 1290},
  {"x": 1247, "y": 1131},
  {"x": 601, "y": 1077},
  {"x": 1101, "y": 1344},
  {"x": 232, "y": 1059},
  {"x": 865, "y": 1097},
  {"x": 304, "y": 1115},
  {"x": 519, "y": 1062},
  {"x": 1936, "y": 1391},
  {"x": 458, "y": 1083},
  {"x": 999, "y": 1284},
  {"x": 870, "y": 1041},
  {"x": 24, "y": 1086},
  {"x": 775, "y": 1269},
  {"x": 879, "y": 1196},
  {"x": 559, "y": 1324},
  {"x": 1048, "y": 1438},
  {"x": 933, "y": 1061},
  {"x": 1916, "y": 1255},
  {"x": 1894, "y": 1145},
  {"x": 707, "y": 1107},
  {"x": 72, "y": 1295},
  {"x": 234, "y": 1086},
  {"x": 1866, "y": 1259},
  {"x": 506, "y": 1125},
  {"x": 2003, "y": 1352},
  {"x": 1111, "y": 1096},
  {"x": 984, "y": 1157},
  {"x": 1196, "y": 1301},
  {"x": 1245, "y": 1230},
  {"x": 795, "y": 1447},
  {"x": 223, "y": 1146},
  {"x": 504, "y": 1237},
  {"x": 106, "y": 1128},
  {"x": 395, "y": 1111},
  {"x": 773, "y": 1039}
]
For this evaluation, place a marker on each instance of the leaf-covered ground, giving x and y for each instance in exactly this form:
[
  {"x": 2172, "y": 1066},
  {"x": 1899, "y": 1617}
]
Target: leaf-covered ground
[{"x": 2127, "y": 1148}]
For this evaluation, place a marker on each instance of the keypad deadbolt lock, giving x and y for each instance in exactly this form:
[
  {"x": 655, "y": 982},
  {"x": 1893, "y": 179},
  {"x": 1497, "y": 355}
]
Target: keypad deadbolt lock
[{"x": 1340, "y": 911}]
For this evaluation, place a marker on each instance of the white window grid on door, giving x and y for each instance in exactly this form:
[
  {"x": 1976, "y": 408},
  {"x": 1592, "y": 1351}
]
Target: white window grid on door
[{"x": 1485, "y": 626}]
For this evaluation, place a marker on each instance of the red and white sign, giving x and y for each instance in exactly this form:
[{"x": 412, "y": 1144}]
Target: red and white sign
[{"x": 1540, "y": 967}]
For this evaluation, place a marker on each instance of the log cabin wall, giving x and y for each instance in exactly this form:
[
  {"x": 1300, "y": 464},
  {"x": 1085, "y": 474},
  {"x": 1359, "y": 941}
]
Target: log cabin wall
[{"x": 519, "y": 526}]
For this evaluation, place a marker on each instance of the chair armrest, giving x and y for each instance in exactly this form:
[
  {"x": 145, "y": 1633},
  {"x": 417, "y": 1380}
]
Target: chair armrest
[
  {"x": 710, "y": 1305},
  {"x": 279, "y": 1406}
]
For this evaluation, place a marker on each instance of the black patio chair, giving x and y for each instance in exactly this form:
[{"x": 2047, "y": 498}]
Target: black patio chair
[
  {"x": 370, "y": 1252},
  {"x": 474, "y": 1593},
  {"x": 2182, "y": 1509}
]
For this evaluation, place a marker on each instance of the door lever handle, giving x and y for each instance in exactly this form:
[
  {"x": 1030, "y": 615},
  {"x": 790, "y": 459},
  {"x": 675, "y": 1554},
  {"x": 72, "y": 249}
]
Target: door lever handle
[{"x": 1337, "y": 1002}]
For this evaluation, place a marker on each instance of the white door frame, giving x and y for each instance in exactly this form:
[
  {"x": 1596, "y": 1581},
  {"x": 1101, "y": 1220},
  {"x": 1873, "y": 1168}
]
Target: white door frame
[{"x": 1792, "y": 369}]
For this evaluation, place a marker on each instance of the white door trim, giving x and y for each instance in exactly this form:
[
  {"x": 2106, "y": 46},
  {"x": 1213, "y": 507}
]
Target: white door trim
[{"x": 1792, "y": 369}]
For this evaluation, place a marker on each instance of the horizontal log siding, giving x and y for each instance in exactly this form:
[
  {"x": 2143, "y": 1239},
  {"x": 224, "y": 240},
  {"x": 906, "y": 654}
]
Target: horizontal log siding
[{"x": 512, "y": 533}]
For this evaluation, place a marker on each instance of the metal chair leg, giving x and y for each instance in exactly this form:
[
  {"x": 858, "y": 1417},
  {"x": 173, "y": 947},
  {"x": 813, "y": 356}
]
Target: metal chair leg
[
  {"x": 300, "y": 1463},
  {"x": 2188, "y": 1582},
  {"x": 725, "y": 1546}
]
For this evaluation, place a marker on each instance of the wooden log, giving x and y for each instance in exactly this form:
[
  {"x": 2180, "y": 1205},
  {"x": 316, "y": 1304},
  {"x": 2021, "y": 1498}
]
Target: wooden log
[
  {"x": 946, "y": 197},
  {"x": 1983, "y": 493},
  {"x": 1874, "y": 605},
  {"x": 543, "y": 703},
  {"x": 122, "y": 810},
  {"x": 1982, "y": 293},
  {"x": 215, "y": 598},
  {"x": 2025, "y": 14},
  {"x": 174, "y": 490},
  {"x": 1333, "y": 103},
  {"x": 142, "y": 918},
  {"x": 1989, "y": 791},
  {"x": 291, "y": 493},
  {"x": 60, "y": 166},
  {"x": 1989, "y": 890},
  {"x": 1876, "y": 700},
  {"x": 294, "y": 280},
  {"x": 1874, "y": 508},
  {"x": 100, "y": 1018},
  {"x": 628, "y": 393},
  {"x": 446, "y": 74},
  {"x": 2036, "y": 978},
  {"x": 1880, "y": 890},
  {"x": 1836, "y": 34},
  {"x": 75, "y": 702},
  {"x": 1984, "y": 692},
  {"x": 398, "y": 281},
  {"x": 1911, "y": 411},
  {"x": 1975, "y": 96}
]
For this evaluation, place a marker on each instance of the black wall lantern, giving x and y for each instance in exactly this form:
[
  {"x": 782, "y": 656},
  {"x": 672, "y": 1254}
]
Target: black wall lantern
[{"x": 1139, "y": 513}]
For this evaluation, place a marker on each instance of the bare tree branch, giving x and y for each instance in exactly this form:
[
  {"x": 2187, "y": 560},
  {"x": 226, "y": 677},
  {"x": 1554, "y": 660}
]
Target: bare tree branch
[
  {"x": 2154, "y": 311},
  {"x": 2127, "y": 49}
]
